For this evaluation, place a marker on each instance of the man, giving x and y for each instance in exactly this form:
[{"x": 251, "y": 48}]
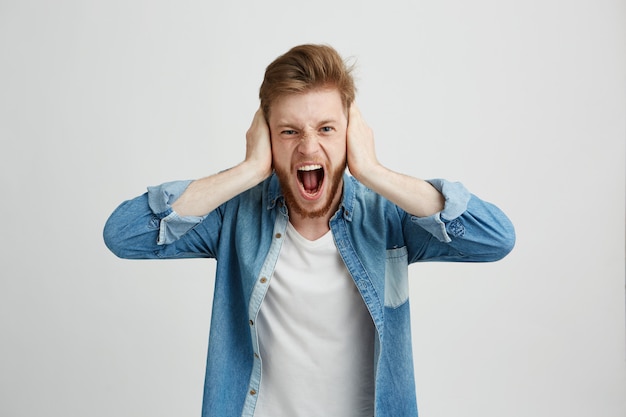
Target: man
[{"x": 310, "y": 311}]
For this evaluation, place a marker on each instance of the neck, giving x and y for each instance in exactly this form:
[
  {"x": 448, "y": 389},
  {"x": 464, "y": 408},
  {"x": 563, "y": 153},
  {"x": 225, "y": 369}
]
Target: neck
[{"x": 311, "y": 229}]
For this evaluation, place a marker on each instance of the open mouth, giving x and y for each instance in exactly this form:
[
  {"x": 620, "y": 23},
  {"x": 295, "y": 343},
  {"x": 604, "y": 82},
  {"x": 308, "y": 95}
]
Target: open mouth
[{"x": 311, "y": 178}]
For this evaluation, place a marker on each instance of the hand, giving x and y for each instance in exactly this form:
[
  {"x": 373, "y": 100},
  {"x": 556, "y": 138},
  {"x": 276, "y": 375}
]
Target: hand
[
  {"x": 258, "y": 146},
  {"x": 360, "y": 143}
]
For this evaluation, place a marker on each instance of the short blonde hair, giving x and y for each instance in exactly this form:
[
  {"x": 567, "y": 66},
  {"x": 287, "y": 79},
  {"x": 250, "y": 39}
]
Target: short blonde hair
[{"x": 304, "y": 68}]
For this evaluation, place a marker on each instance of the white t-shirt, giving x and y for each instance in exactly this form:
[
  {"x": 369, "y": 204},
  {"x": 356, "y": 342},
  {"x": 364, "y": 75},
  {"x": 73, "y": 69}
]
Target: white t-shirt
[{"x": 316, "y": 336}]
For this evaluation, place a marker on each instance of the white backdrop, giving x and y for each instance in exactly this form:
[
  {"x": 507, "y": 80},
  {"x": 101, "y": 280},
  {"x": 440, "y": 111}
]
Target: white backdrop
[{"x": 523, "y": 101}]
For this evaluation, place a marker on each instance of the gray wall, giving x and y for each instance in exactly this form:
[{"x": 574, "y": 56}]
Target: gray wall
[{"x": 522, "y": 101}]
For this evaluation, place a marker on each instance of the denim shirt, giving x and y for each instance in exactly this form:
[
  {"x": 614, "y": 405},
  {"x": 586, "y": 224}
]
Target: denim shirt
[{"x": 376, "y": 239}]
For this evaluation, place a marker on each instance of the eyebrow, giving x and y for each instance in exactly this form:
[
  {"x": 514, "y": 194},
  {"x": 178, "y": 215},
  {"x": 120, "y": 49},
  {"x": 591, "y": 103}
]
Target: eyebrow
[
  {"x": 285, "y": 124},
  {"x": 322, "y": 122}
]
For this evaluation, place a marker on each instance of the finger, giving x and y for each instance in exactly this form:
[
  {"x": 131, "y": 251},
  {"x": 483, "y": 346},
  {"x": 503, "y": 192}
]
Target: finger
[
  {"x": 353, "y": 112},
  {"x": 257, "y": 116}
]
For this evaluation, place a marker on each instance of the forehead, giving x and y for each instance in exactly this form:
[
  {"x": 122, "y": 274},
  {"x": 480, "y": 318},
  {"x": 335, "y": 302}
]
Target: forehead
[{"x": 308, "y": 107}]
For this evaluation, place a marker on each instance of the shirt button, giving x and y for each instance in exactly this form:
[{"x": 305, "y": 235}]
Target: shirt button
[
  {"x": 252, "y": 392},
  {"x": 278, "y": 235},
  {"x": 251, "y": 323},
  {"x": 256, "y": 355},
  {"x": 263, "y": 280}
]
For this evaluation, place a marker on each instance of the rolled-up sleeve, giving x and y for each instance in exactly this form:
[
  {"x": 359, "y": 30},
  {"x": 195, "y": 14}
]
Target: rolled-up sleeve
[
  {"x": 475, "y": 230},
  {"x": 456, "y": 200},
  {"x": 172, "y": 226}
]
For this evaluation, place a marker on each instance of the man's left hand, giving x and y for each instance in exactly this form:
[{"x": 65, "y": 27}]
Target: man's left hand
[{"x": 361, "y": 153}]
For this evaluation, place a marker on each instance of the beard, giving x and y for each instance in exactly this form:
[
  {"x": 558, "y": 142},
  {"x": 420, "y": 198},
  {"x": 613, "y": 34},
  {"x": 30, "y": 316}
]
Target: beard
[{"x": 333, "y": 180}]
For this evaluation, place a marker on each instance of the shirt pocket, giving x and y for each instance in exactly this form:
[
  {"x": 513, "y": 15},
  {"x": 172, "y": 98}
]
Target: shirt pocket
[{"x": 396, "y": 277}]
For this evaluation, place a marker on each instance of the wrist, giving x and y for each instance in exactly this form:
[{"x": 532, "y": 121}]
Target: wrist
[
  {"x": 369, "y": 174},
  {"x": 254, "y": 172}
]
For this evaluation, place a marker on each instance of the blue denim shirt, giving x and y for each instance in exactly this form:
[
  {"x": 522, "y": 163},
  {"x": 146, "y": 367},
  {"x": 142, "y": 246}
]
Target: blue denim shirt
[{"x": 376, "y": 239}]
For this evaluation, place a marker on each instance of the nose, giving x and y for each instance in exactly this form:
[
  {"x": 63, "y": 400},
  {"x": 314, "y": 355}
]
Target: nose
[{"x": 309, "y": 143}]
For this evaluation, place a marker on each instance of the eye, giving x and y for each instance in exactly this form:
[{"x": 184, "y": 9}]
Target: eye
[
  {"x": 289, "y": 132},
  {"x": 327, "y": 129}
]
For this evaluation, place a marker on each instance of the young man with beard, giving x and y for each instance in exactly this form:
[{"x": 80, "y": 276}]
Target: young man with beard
[{"x": 310, "y": 311}]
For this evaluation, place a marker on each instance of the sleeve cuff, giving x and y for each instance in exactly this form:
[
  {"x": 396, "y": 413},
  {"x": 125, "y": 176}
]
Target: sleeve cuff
[
  {"x": 172, "y": 226},
  {"x": 456, "y": 199}
]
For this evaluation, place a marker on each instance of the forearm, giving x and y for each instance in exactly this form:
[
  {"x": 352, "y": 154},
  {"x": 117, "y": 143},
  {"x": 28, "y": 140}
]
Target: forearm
[
  {"x": 206, "y": 194},
  {"x": 413, "y": 195}
]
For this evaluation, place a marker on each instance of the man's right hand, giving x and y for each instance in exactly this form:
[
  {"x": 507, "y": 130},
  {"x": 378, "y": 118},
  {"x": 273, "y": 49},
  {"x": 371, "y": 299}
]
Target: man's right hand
[{"x": 258, "y": 146}]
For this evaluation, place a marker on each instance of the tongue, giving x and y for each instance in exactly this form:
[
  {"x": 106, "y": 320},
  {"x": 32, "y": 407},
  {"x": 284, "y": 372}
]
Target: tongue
[{"x": 310, "y": 180}]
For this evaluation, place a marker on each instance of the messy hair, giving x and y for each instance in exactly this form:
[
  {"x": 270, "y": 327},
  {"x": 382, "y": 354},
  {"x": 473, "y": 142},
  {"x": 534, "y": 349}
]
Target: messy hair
[{"x": 304, "y": 68}]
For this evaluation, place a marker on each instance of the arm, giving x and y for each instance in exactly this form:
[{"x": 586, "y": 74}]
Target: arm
[
  {"x": 206, "y": 194},
  {"x": 413, "y": 195},
  {"x": 462, "y": 226},
  {"x": 151, "y": 225}
]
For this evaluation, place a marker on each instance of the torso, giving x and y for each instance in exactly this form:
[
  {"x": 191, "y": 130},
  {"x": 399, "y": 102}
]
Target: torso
[{"x": 316, "y": 336}]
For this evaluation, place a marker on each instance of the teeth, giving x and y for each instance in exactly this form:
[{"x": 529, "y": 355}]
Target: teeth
[{"x": 309, "y": 168}]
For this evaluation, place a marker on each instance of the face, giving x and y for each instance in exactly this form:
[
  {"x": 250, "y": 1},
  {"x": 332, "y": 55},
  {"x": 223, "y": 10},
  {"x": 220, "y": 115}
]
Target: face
[{"x": 308, "y": 133}]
